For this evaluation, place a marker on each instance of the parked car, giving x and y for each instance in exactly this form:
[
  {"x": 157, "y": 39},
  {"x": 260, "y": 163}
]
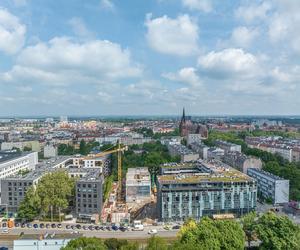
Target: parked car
[
  {"x": 17, "y": 224},
  {"x": 59, "y": 225},
  {"x": 97, "y": 228},
  {"x": 85, "y": 227},
  {"x": 78, "y": 226},
  {"x": 152, "y": 231},
  {"x": 91, "y": 228},
  {"x": 48, "y": 225},
  {"x": 167, "y": 227},
  {"x": 176, "y": 227},
  {"x": 114, "y": 227},
  {"x": 68, "y": 226},
  {"x": 35, "y": 226},
  {"x": 23, "y": 225},
  {"x": 53, "y": 225},
  {"x": 42, "y": 225},
  {"x": 29, "y": 225}
]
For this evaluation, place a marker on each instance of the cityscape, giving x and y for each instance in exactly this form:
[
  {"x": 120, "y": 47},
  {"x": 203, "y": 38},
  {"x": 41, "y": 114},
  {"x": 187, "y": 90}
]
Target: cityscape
[{"x": 149, "y": 125}]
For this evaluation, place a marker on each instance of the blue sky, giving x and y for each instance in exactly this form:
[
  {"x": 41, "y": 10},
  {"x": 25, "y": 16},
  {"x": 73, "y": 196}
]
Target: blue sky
[{"x": 115, "y": 57}]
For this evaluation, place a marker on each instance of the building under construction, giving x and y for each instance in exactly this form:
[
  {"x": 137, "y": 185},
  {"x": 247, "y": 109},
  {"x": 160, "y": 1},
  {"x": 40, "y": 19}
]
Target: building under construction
[{"x": 203, "y": 189}]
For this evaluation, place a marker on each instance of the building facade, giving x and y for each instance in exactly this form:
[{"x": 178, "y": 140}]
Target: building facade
[
  {"x": 211, "y": 190},
  {"x": 271, "y": 186}
]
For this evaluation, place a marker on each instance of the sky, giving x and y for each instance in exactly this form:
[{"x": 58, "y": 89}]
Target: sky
[{"x": 149, "y": 57}]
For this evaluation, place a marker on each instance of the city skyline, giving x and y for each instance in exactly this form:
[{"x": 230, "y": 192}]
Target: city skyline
[{"x": 108, "y": 57}]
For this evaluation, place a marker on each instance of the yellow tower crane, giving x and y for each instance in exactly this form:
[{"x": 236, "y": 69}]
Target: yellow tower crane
[{"x": 119, "y": 150}]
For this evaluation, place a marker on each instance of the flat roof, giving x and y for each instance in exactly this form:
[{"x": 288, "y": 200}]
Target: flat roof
[{"x": 6, "y": 156}]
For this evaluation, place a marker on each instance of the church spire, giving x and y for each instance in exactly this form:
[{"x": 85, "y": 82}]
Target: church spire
[{"x": 183, "y": 115}]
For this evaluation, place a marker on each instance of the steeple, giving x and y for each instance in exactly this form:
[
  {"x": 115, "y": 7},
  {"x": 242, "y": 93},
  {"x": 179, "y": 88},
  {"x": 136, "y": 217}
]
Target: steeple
[{"x": 183, "y": 115}]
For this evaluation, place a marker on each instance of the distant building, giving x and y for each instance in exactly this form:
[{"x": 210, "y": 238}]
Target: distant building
[
  {"x": 32, "y": 145},
  {"x": 50, "y": 150},
  {"x": 205, "y": 189},
  {"x": 271, "y": 186},
  {"x": 182, "y": 151},
  {"x": 63, "y": 118},
  {"x": 186, "y": 127},
  {"x": 241, "y": 161},
  {"x": 228, "y": 146},
  {"x": 138, "y": 185},
  {"x": 201, "y": 149}
]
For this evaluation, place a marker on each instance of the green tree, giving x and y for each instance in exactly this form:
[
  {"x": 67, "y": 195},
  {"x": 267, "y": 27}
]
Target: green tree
[
  {"x": 212, "y": 235},
  {"x": 119, "y": 244},
  {"x": 30, "y": 207},
  {"x": 156, "y": 243},
  {"x": 27, "y": 148},
  {"x": 84, "y": 243},
  {"x": 82, "y": 148},
  {"x": 248, "y": 222},
  {"x": 277, "y": 232},
  {"x": 55, "y": 190}
]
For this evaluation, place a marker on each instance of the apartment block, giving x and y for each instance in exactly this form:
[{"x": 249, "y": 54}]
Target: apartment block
[
  {"x": 270, "y": 186},
  {"x": 185, "y": 154},
  {"x": 228, "y": 146}
]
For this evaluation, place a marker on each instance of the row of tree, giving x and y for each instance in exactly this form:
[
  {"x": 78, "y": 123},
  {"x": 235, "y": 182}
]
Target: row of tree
[
  {"x": 269, "y": 231},
  {"x": 53, "y": 193},
  {"x": 84, "y": 148}
]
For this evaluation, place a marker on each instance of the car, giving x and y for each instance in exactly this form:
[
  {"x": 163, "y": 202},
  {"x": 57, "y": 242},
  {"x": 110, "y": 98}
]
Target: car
[
  {"x": 35, "y": 226},
  {"x": 29, "y": 225},
  {"x": 23, "y": 225},
  {"x": 176, "y": 227},
  {"x": 108, "y": 228},
  {"x": 123, "y": 229},
  {"x": 4, "y": 224},
  {"x": 97, "y": 228},
  {"x": 115, "y": 228},
  {"x": 17, "y": 224},
  {"x": 73, "y": 227},
  {"x": 68, "y": 226},
  {"x": 102, "y": 228},
  {"x": 85, "y": 227},
  {"x": 59, "y": 225},
  {"x": 78, "y": 226},
  {"x": 4, "y": 230},
  {"x": 42, "y": 225},
  {"x": 53, "y": 225},
  {"x": 167, "y": 227},
  {"x": 91, "y": 228},
  {"x": 152, "y": 231},
  {"x": 48, "y": 225}
]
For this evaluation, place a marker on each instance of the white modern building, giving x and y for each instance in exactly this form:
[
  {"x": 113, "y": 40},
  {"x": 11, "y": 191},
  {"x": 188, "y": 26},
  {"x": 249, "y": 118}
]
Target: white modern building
[{"x": 270, "y": 186}]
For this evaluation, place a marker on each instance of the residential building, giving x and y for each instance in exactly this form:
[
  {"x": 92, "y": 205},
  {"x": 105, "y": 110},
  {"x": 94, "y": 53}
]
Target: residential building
[
  {"x": 228, "y": 146},
  {"x": 50, "y": 151},
  {"x": 270, "y": 186},
  {"x": 241, "y": 161},
  {"x": 205, "y": 189},
  {"x": 138, "y": 185},
  {"x": 182, "y": 151},
  {"x": 32, "y": 145}
]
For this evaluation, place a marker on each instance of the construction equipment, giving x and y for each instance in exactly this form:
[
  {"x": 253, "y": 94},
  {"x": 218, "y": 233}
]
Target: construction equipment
[{"x": 119, "y": 150}]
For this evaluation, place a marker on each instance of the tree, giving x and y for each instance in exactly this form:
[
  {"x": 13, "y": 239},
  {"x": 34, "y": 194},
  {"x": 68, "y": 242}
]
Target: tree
[
  {"x": 27, "y": 148},
  {"x": 120, "y": 244},
  {"x": 30, "y": 207},
  {"x": 82, "y": 147},
  {"x": 277, "y": 232},
  {"x": 248, "y": 222},
  {"x": 212, "y": 235},
  {"x": 84, "y": 243},
  {"x": 156, "y": 243},
  {"x": 55, "y": 190}
]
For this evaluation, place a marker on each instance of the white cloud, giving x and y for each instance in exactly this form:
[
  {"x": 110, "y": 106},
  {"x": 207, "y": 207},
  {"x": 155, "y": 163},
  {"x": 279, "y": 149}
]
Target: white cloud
[
  {"x": 229, "y": 63},
  {"x": 12, "y": 33},
  {"x": 172, "y": 36},
  {"x": 107, "y": 4},
  {"x": 185, "y": 75},
  {"x": 243, "y": 36},
  {"x": 253, "y": 12},
  {"x": 202, "y": 5},
  {"x": 80, "y": 29},
  {"x": 62, "y": 61}
]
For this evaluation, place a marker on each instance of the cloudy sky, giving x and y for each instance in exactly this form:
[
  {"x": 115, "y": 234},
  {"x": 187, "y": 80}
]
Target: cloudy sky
[{"x": 102, "y": 57}]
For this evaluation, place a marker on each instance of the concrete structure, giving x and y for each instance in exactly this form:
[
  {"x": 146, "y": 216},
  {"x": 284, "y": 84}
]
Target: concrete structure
[
  {"x": 50, "y": 151},
  {"x": 203, "y": 189},
  {"x": 271, "y": 186},
  {"x": 228, "y": 146},
  {"x": 138, "y": 185},
  {"x": 241, "y": 161}
]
